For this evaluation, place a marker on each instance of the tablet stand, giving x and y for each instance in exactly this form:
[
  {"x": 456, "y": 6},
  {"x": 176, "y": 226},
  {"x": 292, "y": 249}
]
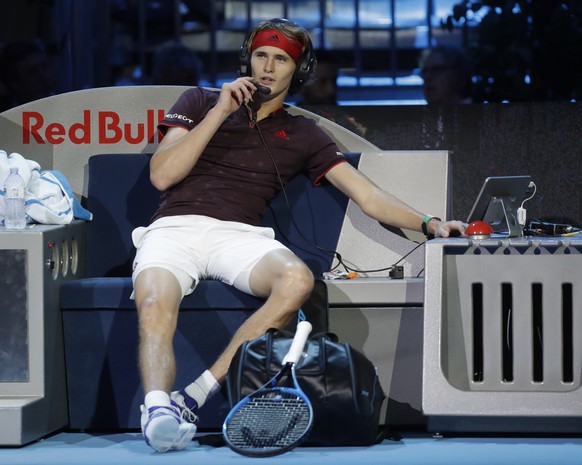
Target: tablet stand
[{"x": 500, "y": 213}]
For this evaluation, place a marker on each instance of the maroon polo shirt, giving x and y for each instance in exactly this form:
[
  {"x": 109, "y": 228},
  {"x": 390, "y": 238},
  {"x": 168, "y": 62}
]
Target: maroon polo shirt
[{"x": 235, "y": 177}]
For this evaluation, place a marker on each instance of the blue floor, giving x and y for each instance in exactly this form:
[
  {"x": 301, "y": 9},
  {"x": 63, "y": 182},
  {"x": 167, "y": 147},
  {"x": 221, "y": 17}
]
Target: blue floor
[{"x": 130, "y": 449}]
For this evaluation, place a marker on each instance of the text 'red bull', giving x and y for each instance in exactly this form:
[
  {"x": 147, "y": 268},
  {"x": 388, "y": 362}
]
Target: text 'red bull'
[{"x": 110, "y": 129}]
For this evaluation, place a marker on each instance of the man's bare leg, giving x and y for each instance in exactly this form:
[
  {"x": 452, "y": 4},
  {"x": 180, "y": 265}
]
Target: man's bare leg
[
  {"x": 157, "y": 297},
  {"x": 286, "y": 282}
]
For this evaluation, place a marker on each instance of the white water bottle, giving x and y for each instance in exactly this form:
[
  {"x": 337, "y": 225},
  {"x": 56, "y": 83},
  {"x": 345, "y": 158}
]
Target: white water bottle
[{"x": 14, "y": 188}]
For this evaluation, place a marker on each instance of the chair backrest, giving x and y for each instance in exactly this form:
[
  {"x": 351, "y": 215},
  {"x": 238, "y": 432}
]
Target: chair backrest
[
  {"x": 121, "y": 198},
  {"x": 311, "y": 223}
]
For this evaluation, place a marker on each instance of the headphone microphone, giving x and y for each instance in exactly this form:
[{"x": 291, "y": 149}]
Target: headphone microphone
[{"x": 261, "y": 89}]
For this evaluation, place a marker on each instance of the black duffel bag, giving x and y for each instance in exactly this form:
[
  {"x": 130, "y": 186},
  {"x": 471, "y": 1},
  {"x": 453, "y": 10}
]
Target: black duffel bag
[{"x": 341, "y": 382}]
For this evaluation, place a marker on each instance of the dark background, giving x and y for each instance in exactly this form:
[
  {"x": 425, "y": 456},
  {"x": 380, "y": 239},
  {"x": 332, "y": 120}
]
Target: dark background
[
  {"x": 537, "y": 138},
  {"x": 532, "y": 50}
]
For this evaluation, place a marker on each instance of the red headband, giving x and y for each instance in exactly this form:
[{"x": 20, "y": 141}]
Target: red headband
[{"x": 275, "y": 38}]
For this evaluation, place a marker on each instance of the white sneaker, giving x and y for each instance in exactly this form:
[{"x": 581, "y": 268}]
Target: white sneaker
[{"x": 164, "y": 429}]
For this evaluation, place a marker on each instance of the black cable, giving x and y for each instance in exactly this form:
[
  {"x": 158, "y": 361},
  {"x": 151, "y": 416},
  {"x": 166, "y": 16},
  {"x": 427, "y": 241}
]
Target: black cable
[{"x": 390, "y": 267}]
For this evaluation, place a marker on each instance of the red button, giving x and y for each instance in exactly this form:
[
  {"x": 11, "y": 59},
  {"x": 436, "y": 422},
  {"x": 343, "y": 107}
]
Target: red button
[{"x": 479, "y": 228}]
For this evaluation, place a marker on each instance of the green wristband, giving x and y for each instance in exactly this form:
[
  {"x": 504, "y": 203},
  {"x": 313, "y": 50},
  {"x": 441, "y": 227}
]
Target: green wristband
[{"x": 425, "y": 221}]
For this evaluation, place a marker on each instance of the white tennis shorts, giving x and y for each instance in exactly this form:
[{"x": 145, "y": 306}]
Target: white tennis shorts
[{"x": 195, "y": 247}]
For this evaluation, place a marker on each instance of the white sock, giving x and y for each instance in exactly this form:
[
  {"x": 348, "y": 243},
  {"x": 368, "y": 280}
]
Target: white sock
[
  {"x": 156, "y": 399},
  {"x": 203, "y": 388}
]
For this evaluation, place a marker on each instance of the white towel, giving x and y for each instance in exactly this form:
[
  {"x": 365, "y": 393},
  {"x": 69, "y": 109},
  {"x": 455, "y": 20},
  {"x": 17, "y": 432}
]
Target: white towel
[{"x": 49, "y": 198}]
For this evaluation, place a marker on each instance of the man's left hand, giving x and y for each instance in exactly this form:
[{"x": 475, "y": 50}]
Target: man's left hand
[{"x": 452, "y": 228}]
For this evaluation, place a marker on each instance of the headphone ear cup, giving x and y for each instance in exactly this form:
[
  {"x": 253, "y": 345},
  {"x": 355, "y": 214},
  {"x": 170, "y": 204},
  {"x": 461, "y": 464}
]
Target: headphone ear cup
[
  {"x": 244, "y": 61},
  {"x": 303, "y": 71},
  {"x": 305, "y": 66}
]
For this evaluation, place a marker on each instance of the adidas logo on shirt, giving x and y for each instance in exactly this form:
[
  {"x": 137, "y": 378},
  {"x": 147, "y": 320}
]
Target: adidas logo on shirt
[{"x": 281, "y": 134}]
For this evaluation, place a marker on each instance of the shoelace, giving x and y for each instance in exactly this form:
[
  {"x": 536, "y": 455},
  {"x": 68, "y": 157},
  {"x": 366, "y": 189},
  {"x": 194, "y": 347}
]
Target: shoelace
[
  {"x": 189, "y": 415},
  {"x": 184, "y": 412}
]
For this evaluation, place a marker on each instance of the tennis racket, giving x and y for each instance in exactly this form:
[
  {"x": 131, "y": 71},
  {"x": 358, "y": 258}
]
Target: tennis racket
[{"x": 273, "y": 419}]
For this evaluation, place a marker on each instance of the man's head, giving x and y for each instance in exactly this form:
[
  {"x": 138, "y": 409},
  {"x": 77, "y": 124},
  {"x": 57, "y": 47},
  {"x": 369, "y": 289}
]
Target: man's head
[
  {"x": 446, "y": 73},
  {"x": 321, "y": 89},
  {"x": 175, "y": 64},
  {"x": 289, "y": 38}
]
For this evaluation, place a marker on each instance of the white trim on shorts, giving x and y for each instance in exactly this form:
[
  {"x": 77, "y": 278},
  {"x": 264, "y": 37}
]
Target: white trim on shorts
[{"x": 194, "y": 247}]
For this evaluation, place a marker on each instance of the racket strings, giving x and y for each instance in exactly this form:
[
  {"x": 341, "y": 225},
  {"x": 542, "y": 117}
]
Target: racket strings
[{"x": 273, "y": 419}]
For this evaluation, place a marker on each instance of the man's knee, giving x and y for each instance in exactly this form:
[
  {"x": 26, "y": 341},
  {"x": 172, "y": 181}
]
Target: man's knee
[
  {"x": 157, "y": 315},
  {"x": 298, "y": 279},
  {"x": 155, "y": 286},
  {"x": 157, "y": 298}
]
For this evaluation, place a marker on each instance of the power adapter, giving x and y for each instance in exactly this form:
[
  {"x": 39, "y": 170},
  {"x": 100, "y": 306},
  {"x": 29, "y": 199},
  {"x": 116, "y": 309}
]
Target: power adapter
[
  {"x": 397, "y": 272},
  {"x": 521, "y": 216},
  {"x": 521, "y": 211}
]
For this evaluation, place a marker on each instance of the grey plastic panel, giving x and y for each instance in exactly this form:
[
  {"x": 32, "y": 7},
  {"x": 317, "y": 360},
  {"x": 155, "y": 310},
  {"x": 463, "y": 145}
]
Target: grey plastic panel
[
  {"x": 503, "y": 327},
  {"x": 34, "y": 403}
]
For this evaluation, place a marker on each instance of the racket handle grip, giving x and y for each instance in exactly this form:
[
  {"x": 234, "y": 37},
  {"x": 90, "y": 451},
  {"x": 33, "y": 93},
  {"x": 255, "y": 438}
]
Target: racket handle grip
[{"x": 298, "y": 343}]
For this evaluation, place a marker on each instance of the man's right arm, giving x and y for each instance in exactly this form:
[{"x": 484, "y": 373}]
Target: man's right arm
[{"x": 180, "y": 148}]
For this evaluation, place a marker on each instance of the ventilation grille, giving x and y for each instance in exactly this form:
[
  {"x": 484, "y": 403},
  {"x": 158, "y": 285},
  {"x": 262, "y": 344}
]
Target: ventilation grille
[
  {"x": 535, "y": 352},
  {"x": 512, "y": 322}
]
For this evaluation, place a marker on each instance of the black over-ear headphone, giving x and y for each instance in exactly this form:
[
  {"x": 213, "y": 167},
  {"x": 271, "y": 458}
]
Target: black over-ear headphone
[{"x": 304, "y": 65}]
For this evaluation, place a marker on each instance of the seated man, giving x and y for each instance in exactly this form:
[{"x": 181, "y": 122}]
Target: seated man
[{"x": 224, "y": 156}]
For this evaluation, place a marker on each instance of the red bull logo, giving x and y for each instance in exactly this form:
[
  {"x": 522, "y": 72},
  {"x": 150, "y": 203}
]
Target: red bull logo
[{"x": 101, "y": 127}]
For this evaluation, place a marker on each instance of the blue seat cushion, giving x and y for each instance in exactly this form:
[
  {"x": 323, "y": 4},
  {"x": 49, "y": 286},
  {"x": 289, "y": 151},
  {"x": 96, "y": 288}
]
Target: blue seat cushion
[{"x": 115, "y": 292}]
